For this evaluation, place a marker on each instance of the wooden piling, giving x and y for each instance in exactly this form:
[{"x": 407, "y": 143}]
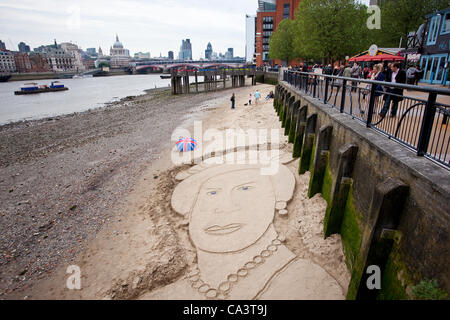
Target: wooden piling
[
  {"x": 224, "y": 78},
  {"x": 196, "y": 81},
  {"x": 340, "y": 189},
  {"x": 299, "y": 131},
  {"x": 378, "y": 237},
  {"x": 308, "y": 145},
  {"x": 321, "y": 157}
]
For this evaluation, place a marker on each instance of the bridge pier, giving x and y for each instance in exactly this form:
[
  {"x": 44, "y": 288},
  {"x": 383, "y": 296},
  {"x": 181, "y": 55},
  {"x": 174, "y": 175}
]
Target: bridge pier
[
  {"x": 237, "y": 81},
  {"x": 173, "y": 85},
  {"x": 186, "y": 83},
  {"x": 213, "y": 79},
  {"x": 196, "y": 81},
  {"x": 224, "y": 78}
]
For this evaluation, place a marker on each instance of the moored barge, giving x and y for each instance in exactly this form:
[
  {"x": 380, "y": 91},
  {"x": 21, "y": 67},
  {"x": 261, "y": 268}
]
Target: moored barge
[{"x": 33, "y": 88}]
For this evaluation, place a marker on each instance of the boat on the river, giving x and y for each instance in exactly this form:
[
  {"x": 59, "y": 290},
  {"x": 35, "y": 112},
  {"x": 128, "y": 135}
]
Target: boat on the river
[
  {"x": 166, "y": 76},
  {"x": 82, "y": 76},
  {"x": 4, "y": 77},
  {"x": 33, "y": 88}
]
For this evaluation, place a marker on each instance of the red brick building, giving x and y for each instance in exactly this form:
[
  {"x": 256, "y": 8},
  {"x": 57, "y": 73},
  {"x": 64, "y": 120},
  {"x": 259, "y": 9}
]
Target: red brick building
[
  {"x": 285, "y": 9},
  {"x": 23, "y": 63},
  {"x": 89, "y": 63},
  {"x": 265, "y": 24},
  {"x": 39, "y": 63},
  {"x": 270, "y": 14}
]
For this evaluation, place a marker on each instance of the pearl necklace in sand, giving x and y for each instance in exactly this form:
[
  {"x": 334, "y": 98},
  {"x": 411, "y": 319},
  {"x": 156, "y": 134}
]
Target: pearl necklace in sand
[{"x": 223, "y": 290}]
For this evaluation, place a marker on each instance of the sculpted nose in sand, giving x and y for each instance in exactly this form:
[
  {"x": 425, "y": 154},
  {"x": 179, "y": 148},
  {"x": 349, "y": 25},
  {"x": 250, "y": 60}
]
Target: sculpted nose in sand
[{"x": 231, "y": 209}]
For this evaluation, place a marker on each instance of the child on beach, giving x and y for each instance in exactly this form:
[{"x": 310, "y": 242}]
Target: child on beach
[
  {"x": 250, "y": 99},
  {"x": 270, "y": 96},
  {"x": 233, "y": 99},
  {"x": 257, "y": 97}
]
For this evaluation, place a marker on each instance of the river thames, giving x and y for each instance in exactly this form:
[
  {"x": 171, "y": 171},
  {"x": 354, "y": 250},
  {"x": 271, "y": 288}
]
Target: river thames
[{"x": 83, "y": 94}]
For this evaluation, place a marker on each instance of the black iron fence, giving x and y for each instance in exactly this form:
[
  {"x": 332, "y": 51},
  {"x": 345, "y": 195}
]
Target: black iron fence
[{"x": 411, "y": 115}]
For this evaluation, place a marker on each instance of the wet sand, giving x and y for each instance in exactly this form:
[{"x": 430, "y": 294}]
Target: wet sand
[
  {"x": 123, "y": 233},
  {"x": 61, "y": 177}
]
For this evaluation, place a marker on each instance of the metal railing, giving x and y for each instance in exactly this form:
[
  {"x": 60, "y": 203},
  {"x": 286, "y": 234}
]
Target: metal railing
[{"x": 420, "y": 122}]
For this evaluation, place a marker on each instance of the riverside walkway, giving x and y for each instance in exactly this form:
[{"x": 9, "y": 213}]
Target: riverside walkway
[{"x": 421, "y": 122}]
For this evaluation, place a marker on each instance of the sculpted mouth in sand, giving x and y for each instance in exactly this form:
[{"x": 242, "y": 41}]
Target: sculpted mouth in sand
[
  {"x": 218, "y": 230},
  {"x": 230, "y": 209}
]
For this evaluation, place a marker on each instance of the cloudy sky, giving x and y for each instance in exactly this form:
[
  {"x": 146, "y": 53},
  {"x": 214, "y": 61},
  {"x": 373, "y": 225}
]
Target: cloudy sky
[
  {"x": 142, "y": 25},
  {"x": 154, "y": 26}
]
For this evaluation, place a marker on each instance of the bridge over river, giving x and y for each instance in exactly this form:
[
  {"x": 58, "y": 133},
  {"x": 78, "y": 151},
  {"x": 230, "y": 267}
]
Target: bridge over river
[{"x": 213, "y": 77}]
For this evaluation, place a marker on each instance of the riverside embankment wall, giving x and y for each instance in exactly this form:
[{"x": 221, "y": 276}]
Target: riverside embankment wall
[
  {"x": 57, "y": 75},
  {"x": 390, "y": 207},
  {"x": 267, "y": 77}
]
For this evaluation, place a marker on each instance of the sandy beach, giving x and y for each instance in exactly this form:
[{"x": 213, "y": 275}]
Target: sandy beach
[
  {"x": 94, "y": 190},
  {"x": 61, "y": 177}
]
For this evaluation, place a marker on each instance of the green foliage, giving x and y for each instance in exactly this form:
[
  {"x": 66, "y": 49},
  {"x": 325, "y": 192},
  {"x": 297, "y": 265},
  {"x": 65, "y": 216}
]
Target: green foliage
[
  {"x": 400, "y": 17},
  {"x": 351, "y": 231},
  {"x": 428, "y": 290},
  {"x": 103, "y": 64},
  {"x": 392, "y": 288},
  {"x": 281, "y": 41},
  {"x": 330, "y": 29}
]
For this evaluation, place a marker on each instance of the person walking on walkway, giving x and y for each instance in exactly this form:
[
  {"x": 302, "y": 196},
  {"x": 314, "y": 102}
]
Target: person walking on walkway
[
  {"x": 233, "y": 100},
  {"x": 336, "y": 70},
  {"x": 411, "y": 74},
  {"x": 305, "y": 67},
  {"x": 388, "y": 71},
  {"x": 347, "y": 72},
  {"x": 393, "y": 94},
  {"x": 257, "y": 97},
  {"x": 377, "y": 75},
  {"x": 356, "y": 74},
  {"x": 418, "y": 75},
  {"x": 341, "y": 70}
]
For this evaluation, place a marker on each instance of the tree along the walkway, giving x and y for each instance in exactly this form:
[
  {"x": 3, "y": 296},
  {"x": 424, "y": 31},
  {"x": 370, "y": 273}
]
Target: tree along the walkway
[
  {"x": 281, "y": 42},
  {"x": 330, "y": 29},
  {"x": 399, "y": 17}
]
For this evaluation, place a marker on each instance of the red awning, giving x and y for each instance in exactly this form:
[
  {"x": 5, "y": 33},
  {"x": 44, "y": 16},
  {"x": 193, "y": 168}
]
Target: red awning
[
  {"x": 363, "y": 58},
  {"x": 380, "y": 57},
  {"x": 387, "y": 57}
]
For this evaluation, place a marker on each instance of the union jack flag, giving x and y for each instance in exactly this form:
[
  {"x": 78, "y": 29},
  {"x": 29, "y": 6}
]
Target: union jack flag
[{"x": 186, "y": 144}]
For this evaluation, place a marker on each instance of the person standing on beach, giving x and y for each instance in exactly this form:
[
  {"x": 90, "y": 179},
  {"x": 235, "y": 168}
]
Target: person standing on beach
[
  {"x": 233, "y": 100},
  {"x": 250, "y": 99},
  {"x": 257, "y": 97}
]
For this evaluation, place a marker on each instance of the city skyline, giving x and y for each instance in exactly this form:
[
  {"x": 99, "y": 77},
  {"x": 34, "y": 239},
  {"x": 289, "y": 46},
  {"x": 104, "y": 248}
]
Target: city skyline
[{"x": 167, "y": 22}]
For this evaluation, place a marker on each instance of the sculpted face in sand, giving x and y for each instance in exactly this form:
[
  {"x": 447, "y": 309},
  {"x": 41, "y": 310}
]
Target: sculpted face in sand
[{"x": 232, "y": 211}]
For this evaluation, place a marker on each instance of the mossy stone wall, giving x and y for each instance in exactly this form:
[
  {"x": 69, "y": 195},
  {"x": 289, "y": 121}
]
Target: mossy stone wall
[{"x": 425, "y": 222}]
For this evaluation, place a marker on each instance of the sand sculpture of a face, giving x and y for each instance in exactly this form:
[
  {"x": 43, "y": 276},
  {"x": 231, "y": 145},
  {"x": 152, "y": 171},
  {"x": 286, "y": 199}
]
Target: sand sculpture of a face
[
  {"x": 230, "y": 207},
  {"x": 240, "y": 255}
]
